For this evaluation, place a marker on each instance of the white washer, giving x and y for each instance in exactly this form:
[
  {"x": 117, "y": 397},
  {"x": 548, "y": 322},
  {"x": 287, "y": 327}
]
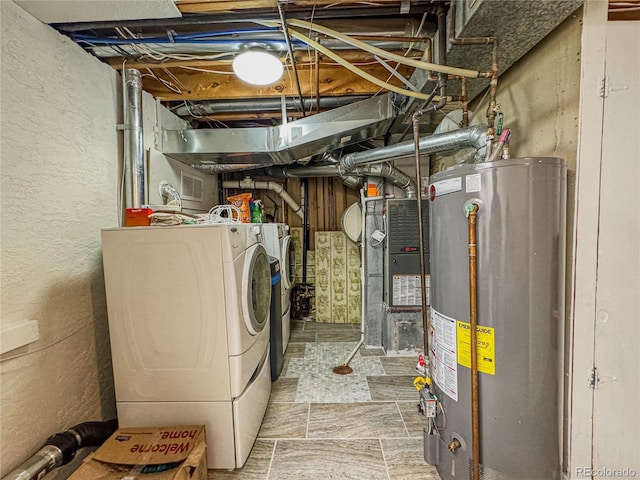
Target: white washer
[
  {"x": 279, "y": 244},
  {"x": 288, "y": 267},
  {"x": 189, "y": 326}
]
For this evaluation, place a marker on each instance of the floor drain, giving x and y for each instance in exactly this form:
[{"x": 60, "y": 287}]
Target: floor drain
[{"x": 343, "y": 369}]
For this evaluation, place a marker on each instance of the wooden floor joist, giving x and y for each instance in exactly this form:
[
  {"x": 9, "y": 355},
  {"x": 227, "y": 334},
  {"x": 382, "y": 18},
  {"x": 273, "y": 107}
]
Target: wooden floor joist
[{"x": 333, "y": 81}]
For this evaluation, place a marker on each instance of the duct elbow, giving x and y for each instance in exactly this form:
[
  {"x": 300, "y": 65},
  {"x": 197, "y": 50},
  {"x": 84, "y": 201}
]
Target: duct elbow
[
  {"x": 352, "y": 181},
  {"x": 410, "y": 191},
  {"x": 479, "y": 138},
  {"x": 347, "y": 163}
]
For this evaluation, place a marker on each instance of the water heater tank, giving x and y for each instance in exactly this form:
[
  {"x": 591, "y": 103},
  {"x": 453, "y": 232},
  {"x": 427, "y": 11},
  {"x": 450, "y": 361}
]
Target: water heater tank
[{"x": 520, "y": 278}]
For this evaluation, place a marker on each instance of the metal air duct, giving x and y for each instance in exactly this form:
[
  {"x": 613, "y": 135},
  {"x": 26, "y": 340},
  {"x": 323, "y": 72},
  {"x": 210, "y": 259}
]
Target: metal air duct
[
  {"x": 282, "y": 144},
  {"x": 471, "y": 137},
  {"x": 212, "y": 107},
  {"x": 391, "y": 173},
  {"x": 385, "y": 170},
  {"x": 351, "y": 181}
]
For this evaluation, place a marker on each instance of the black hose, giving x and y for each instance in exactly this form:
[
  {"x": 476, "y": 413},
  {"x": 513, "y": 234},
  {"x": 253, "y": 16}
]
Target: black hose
[
  {"x": 93, "y": 434},
  {"x": 60, "y": 448}
]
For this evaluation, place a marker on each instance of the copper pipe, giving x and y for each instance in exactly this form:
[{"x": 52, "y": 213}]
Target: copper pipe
[
  {"x": 472, "y": 210},
  {"x": 493, "y": 74}
]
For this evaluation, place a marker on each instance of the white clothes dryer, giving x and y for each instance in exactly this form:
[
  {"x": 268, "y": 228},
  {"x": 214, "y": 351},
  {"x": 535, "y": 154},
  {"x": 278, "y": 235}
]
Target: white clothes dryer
[{"x": 189, "y": 325}]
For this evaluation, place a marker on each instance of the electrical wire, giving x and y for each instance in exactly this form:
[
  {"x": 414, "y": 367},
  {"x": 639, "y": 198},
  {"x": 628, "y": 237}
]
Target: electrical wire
[
  {"x": 47, "y": 346},
  {"x": 166, "y": 83},
  {"x": 463, "y": 72},
  {"x": 406, "y": 54},
  {"x": 223, "y": 214},
  {"x": 196, "y": 69},
  {"x": 358, "y": 71}
]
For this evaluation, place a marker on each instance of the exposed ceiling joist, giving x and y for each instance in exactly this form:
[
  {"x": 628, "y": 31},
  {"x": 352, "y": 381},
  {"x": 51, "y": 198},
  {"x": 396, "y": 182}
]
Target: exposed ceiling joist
[
  {"x": 330, "y": 80},
  {"x": 214, "y": 6}
]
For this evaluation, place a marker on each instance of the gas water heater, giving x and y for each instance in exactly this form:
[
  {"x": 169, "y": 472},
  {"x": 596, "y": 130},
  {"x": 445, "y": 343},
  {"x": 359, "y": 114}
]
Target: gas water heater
[{"x": 520, "y": 227}]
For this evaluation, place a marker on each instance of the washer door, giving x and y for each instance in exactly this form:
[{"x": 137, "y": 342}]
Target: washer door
[
  {"x": 288, "y": 262},
  {"x": 256, "y": 289}
]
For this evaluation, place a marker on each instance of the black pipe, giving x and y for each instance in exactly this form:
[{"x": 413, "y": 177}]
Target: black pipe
[
  {"x": 305, "y": 228},
  {"x": 60, "y": 448}
]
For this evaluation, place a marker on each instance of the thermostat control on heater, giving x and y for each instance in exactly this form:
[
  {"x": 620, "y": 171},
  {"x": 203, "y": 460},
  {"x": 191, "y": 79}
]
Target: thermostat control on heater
[{"x": 378, "y": 236}]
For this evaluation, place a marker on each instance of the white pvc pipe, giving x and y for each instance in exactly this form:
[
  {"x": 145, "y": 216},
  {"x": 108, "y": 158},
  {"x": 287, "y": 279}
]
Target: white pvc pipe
[{"x": 273, "y": 186}]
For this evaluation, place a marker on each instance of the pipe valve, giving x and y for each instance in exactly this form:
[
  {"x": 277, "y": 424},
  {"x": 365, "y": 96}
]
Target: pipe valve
[{"x": 454, "y": 445}]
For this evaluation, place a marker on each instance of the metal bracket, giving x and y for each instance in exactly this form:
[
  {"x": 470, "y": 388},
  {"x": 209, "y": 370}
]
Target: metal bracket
[
  {"x": 593, "y": 378},
  {"x": 603, "y": 91}
]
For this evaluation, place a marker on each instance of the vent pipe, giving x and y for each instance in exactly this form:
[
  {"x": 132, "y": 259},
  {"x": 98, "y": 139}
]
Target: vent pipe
[
  {"x": 215, "y": 168},
  {"x": 385, "y": 170},
  {"x": 351, "y": 181},
  {"x": 390, "y": 173},
  {"x": 247, "y": 183},
  {"x": 471, "y": 137},
  {"x": 133, "y": 147}
]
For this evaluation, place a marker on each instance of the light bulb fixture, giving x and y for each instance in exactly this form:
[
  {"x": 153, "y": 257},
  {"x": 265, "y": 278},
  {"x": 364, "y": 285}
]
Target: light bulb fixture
[{"x": 257, "y": 67}]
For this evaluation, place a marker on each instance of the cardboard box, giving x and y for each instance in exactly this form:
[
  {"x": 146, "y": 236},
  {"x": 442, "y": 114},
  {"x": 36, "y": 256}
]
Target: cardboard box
[{"x": 158, "y": 453}]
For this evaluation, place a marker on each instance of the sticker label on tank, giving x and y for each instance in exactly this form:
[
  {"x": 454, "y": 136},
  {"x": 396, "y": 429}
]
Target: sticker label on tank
[
  {"x": 486, "y": 347},
  {"x": 407, "y": 290},
  {"x": 443, "y": 187},
  {"x": 473, "y": 183},
  {"x": 443, "y": 353}
]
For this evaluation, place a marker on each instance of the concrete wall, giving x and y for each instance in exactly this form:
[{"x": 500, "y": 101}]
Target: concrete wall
[
  {"x": 60, "y": 158},
  {"x": 539, "y": 96},
  {"x": 61, "y": 168}
]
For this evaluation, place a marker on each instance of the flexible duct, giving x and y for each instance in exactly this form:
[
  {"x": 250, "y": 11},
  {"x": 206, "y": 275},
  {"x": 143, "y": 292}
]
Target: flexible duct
[
  {"x": 59, "y": 449},
  {"x": 273, "y": 186},
  {"x": 471, "y": 137},
  {"x": 133, "y": 146}
]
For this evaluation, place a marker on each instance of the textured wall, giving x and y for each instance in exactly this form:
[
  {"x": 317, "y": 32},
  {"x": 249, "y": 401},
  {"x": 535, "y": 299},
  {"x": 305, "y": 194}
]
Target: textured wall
[{"x": 60, "y": 159}]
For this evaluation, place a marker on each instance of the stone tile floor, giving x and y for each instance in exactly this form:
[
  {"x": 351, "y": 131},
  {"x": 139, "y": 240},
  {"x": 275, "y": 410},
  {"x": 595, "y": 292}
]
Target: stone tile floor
[{"x": 324, "y": 426}]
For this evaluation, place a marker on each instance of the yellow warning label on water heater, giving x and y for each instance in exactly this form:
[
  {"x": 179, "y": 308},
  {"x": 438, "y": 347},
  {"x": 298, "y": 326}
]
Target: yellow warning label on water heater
[{"x": 486, "y": 347}]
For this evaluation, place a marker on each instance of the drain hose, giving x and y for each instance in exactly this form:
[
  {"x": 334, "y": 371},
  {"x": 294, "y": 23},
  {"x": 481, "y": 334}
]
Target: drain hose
[{"x": 60, "y": 449}]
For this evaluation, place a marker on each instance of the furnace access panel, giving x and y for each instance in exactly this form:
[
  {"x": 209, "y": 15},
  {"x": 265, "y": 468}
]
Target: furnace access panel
[{"x": 402, "y": 261}]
